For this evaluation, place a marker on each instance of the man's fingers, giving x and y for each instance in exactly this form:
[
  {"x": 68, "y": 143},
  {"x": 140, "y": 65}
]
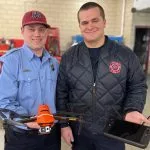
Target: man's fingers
[
  {"x": 146, "y": 122},
  {"x": 67, "y": 140},
  {"x": 33, "y": 125},
  {"x": 136, "y": 117},
  {"x": 71, "y": 138},
  {"x": 67, "y": 135}
]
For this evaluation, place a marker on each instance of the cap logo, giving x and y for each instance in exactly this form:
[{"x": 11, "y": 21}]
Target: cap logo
[
  {"x": 36, "y": 15},
  {"x": 115, "y": 67}
]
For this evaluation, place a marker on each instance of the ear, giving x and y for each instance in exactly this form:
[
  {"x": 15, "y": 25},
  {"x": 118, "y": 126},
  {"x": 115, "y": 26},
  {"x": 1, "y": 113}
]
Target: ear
[
  {"x": 49, "y": 31},
  {"x": 79, "y": 25},
  {"x": 104, "y": 23},
  {"x": 22, "y": 29}
]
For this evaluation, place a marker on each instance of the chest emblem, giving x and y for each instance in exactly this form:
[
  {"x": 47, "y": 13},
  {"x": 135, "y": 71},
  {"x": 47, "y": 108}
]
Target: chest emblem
[{"x": 115, "y": 67}]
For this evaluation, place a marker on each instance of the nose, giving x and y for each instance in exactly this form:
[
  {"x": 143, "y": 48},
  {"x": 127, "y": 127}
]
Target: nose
[
  {"x": 37, "y": 32},
  {"x": 90, "y": 25}
]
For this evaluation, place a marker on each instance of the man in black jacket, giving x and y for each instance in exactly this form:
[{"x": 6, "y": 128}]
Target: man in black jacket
[{"x": 101, "y": 80}]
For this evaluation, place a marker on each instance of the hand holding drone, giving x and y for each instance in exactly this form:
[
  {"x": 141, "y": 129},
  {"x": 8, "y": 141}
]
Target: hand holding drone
[{"x": 45, "y": 119}]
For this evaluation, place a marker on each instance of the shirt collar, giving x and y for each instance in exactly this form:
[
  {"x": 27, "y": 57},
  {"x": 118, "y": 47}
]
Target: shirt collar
[
  {"x": 46, "y": 55},
  {"x": 28, "y": 52}
]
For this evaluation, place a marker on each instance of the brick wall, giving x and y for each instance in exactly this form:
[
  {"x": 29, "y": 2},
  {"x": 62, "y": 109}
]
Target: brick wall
[
  {"x": 61, "y": 14},
  {"x": 128, "y": 23}
]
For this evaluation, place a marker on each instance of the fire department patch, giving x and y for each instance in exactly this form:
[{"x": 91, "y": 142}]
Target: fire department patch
[{"x": 115, "y": 67}]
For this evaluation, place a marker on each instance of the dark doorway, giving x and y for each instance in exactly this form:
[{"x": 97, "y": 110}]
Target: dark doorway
[{"x": 142, "y": 46}]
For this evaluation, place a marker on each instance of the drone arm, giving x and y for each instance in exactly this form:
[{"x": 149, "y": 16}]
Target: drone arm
[
  {"x": 62, "y": 118},
  {"x": 26, "y": 120}
]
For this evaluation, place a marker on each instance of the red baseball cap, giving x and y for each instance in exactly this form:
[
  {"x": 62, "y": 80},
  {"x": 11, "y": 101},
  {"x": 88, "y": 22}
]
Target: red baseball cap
[{"x": 32, "y": 17}]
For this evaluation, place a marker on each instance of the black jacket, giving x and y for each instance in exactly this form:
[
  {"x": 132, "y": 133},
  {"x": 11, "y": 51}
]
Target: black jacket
[{"x": 120, "y": 84}]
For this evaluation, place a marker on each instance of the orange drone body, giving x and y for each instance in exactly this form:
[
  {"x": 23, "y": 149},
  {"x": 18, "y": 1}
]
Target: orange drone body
[{"x": 45, "y": 117}]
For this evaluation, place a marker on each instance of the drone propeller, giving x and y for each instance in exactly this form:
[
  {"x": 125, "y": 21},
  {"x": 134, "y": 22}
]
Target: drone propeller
[
  {"x": 44, "y": 118},
  {"x": 13, "y": 122},
  {"x": 12, "y": 114},
  {"x": 67, "y": 113}
]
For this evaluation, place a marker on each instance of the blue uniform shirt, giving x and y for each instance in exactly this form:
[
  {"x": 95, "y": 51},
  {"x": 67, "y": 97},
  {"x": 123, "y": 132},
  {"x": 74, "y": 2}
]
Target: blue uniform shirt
[{"x": 26, "y": 81}]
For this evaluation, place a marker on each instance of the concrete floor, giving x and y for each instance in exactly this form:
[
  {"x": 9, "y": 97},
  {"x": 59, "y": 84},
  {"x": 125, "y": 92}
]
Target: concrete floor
[{"x": 128, "y": 147}]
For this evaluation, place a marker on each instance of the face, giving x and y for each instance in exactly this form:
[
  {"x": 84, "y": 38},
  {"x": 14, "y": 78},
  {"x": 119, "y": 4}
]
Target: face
[
  {"x": 92, "y": 25},
  {"x": 35, "y": 36}
]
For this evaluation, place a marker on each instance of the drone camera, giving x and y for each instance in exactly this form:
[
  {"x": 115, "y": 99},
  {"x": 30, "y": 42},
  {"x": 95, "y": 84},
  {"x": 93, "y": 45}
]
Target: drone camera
[{"x": 45, "y": 130}]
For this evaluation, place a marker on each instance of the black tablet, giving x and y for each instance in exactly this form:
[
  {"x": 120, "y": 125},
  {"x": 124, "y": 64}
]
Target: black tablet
[{"x": 127, "y": 132}]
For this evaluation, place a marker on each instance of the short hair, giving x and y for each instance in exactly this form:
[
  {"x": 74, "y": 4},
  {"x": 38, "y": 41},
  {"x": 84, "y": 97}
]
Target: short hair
[{"x": 89, "y": 5}]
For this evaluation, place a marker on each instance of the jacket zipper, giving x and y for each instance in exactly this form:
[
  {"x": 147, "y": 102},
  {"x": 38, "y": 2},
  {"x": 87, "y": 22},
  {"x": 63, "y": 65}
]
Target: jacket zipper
[
  {"x": 94, "y": 90},
  {"x": 94, "y": 101},
  {"x": 93, "y": 93}
]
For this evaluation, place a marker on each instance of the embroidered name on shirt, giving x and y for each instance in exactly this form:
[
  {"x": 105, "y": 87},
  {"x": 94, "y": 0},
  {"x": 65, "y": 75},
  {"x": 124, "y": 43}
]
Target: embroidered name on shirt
[
  {"x": 115, "y": 67},
  {"x": 26, "y": 70}
]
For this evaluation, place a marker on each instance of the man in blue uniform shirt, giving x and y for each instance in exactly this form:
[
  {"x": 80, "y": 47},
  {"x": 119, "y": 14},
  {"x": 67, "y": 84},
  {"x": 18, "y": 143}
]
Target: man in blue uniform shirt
[{"x": 27, "y": 80}]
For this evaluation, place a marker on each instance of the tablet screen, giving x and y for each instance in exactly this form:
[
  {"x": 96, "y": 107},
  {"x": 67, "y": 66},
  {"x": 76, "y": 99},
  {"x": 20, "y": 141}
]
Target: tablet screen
[{"x": 131, "y": 133}]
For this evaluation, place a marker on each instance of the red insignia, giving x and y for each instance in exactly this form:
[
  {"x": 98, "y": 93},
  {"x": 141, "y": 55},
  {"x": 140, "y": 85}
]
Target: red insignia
[{"x": 115, "y": 67}]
